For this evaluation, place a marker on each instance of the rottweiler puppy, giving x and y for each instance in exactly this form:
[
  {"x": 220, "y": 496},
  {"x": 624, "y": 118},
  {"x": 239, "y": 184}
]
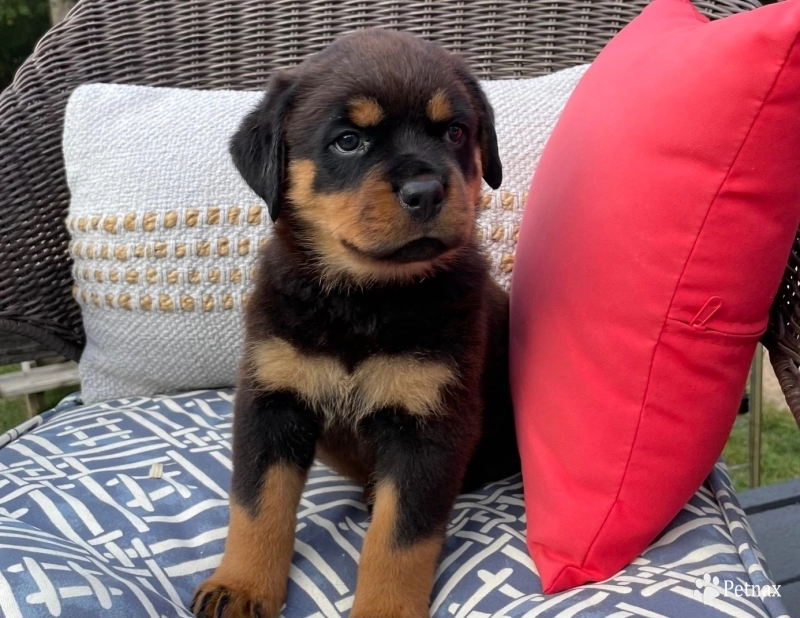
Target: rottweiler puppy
[{"x": 376, "y": 338}]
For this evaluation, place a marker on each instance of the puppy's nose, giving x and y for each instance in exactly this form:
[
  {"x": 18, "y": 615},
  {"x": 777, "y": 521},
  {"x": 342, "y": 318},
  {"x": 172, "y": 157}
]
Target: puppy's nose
[{"x": 422, "y": 198}]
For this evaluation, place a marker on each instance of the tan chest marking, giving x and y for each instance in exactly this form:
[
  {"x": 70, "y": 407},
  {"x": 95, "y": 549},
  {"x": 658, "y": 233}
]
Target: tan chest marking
[{"x": 379, "y": 381}]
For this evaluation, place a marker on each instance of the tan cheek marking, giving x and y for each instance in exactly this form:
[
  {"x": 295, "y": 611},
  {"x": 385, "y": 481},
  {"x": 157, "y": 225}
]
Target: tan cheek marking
[
  {"x": 278, "y": 365},
  {"x": 439, "y": 108},
  {"x": 405, "y": 381},
  {"x": 457, "y": 220},
  {"x": 388, "y": 219},
  {"x": 316, "y": 209},
  {"x": 365, "y": 112},
  {"x": 393, "y": 581},
  {"x": 259, "y": 547},
  {"x": 329, "y": 218},
  {"x": 333, "y": 217}
]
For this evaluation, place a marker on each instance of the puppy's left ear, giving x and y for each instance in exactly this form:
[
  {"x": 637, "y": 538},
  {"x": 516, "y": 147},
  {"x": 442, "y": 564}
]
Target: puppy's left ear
[
  {"x": 487, "y": 138},
  {"x": 258, "y": 146}
]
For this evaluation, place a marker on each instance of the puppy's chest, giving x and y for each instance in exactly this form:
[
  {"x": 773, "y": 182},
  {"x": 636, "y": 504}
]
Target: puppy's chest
[
  {"x": 342, "y": 394},
  {"x": 358, "y": 325}
]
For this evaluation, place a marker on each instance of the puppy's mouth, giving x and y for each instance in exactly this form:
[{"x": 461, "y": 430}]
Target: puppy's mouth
[{"x": 422, "y": 249}]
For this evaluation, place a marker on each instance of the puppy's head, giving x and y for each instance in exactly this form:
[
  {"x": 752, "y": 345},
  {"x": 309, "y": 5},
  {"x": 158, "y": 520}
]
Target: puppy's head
[{"x": 371, "y": 153}]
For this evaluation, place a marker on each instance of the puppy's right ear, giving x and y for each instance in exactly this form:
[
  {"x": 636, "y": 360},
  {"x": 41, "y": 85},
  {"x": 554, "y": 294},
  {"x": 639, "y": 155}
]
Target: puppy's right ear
[
  {"x": 258, "y": 146},
  {"x": 487, "y": 137}
]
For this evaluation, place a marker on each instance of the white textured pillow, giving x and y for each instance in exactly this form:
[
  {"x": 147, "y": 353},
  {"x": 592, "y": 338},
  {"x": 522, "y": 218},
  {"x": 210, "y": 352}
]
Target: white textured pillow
[{"x": 165, "y": 233}]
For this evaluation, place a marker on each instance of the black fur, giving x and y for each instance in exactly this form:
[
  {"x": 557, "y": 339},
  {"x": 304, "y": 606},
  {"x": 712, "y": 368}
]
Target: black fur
[
  {"x": 453, "y": 314},
  {"x": 339, "y": 73},
  {"x": 283, "y": 429},
  {"x": 440, "y": 318},
  {"x": 490, "y": 157},
  {"x": 448, "y": 316},
  {"x": 258, "y": 149}
]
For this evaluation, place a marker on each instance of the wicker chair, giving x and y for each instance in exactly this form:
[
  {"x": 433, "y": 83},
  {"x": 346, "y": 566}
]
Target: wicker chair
[{"x": 236, "y": 45}]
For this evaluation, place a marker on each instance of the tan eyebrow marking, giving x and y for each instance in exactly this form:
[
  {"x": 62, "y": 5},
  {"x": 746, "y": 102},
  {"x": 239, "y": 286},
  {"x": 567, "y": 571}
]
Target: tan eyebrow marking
[
  {"x": 439, "y": 108},
  {"x": 365, "y": 112}
]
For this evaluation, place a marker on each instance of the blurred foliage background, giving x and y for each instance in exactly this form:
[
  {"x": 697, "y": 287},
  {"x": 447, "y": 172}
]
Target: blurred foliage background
[{"x": 22, "y": 23}]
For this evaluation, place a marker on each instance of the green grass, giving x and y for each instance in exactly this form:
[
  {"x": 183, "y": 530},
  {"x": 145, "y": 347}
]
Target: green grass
[
  {"x": 13, "y": 412},
  {"x": 780, "y": 448}
]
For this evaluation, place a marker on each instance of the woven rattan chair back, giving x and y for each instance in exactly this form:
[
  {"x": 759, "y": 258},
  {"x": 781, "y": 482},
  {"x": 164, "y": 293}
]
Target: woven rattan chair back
[{"x": 236, "y": 44}]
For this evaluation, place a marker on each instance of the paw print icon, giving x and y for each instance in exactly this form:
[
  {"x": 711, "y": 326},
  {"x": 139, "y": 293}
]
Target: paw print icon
[{"x": 706, "y": 589}]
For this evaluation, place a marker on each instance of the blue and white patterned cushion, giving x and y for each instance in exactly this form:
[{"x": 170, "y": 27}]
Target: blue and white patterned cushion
[{"x": 120, "y": 509}]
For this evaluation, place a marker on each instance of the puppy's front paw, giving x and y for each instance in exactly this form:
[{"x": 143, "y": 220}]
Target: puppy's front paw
[{"x": 215, "y": 598}]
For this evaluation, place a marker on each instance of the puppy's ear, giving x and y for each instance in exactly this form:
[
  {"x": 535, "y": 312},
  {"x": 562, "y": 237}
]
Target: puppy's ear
[
  {"x": 487, "y": 138},
  {"x": 258, "y": 146}
]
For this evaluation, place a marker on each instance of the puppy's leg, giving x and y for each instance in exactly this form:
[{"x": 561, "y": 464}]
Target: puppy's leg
[
  {"x": 274, "y": 436},
  {"x": 496, "y": 456},
  {"x": 418, "y": 474}
]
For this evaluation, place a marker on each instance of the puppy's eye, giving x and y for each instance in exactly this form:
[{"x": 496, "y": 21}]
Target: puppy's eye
[
  {"x": 348, "y": 142},
  {"x": 455, "y": 133}
]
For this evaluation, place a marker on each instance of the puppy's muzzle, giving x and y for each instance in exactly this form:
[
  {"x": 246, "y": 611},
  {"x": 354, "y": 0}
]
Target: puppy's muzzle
[{"x": 422, "y": 198}]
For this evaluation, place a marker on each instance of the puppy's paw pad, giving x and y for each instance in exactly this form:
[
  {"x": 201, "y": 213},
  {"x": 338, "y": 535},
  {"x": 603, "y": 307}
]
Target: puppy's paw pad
[{"x": 216, "y": 600}]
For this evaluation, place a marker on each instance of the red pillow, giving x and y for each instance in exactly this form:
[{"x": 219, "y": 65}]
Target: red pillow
[{"x": 657, "y": 227}]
